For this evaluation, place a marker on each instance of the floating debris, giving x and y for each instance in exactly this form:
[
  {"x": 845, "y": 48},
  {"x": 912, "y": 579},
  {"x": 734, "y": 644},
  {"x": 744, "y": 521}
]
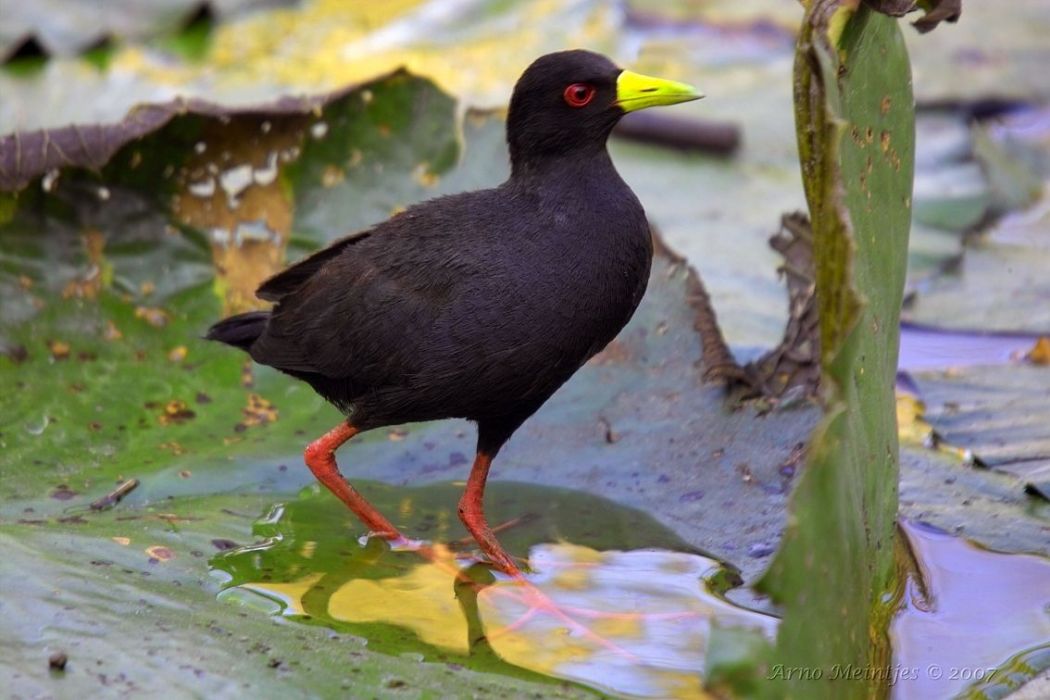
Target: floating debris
[
  {"x": 58, "y": 661},
  {"x": 113, "y": 498},
  {"x": 174, "y": 448}
]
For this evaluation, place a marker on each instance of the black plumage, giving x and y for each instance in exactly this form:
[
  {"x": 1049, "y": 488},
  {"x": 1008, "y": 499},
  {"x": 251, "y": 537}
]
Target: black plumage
[{"x": 478, "y": 305}]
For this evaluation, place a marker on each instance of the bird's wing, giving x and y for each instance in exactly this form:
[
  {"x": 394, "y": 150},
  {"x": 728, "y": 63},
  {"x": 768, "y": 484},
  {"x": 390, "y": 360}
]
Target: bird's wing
[
  {"x": 362, "y": 312},
  {"x": 287, "y": 281}
]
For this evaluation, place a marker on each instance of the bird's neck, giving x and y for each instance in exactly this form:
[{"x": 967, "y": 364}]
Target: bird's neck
[{"x": 585, "y": 161}]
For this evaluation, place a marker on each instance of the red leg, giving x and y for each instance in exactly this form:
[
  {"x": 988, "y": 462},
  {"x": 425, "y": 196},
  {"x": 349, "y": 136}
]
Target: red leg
[
  {"x": 472, "y": 513},
  {"x": 320, "y": 457}
]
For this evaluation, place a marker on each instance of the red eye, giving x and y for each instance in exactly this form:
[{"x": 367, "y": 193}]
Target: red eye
[{"x": 579, "y": 94}]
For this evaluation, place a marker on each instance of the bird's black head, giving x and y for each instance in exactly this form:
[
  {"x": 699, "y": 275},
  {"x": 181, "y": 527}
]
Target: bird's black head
[{"x": 567, "y": 103}]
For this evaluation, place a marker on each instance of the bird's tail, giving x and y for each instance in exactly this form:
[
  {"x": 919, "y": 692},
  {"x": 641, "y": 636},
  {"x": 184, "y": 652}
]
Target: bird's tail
[{"x": 241, "y": 330}]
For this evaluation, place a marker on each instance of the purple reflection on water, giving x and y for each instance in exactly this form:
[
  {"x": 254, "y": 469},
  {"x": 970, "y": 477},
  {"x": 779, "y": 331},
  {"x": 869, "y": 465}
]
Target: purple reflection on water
[{"x": 925, "y": 347}]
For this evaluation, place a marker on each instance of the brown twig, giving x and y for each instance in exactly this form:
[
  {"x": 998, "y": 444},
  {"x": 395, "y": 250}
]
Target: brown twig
[
  {"x": 513, "y": 522},
  {"x": 115, "y": 496}
]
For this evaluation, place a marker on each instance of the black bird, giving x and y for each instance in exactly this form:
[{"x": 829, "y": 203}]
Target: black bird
[{"x": 478, "y": 305}]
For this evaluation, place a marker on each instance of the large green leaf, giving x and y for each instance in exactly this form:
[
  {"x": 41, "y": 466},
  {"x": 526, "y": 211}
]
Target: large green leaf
[
  {"x": 855, "y": 121},
  {"x": 126, "y": 596},
  {"x": 110, "y": 277},
  {"x": 90, "y": 261}
]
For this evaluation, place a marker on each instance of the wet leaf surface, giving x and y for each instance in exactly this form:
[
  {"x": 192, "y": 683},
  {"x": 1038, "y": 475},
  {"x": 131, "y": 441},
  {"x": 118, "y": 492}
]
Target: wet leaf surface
[
  {"x": 109, "y": 381},
  {"x": 997, "y": 287},
  {"x": 987, "y": 506},
  {"x": 129, "y": 626},
  {"x": 582, "y": 613},
  {"x": 116, "y": 273},
  {"x": 999, "y": 413},
  {"x": 995, "y": 283}
]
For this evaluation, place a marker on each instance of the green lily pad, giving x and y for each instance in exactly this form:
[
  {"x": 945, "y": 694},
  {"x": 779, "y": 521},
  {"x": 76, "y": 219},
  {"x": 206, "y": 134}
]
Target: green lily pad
[
  {"x": 988, "y": 507},
  {"x": 114, "y": 274},
  {"x": 953, "y": 198},
  {"x": 125, "y": 595},
  {"x": 125, "y": 265},
  {"x": 996, "y": 287},
  {"x": 999, "y": 413}
]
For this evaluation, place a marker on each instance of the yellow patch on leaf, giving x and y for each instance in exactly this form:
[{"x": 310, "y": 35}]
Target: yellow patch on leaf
[
  {"x": 59, "y": 349},
  {"x": 1040, "y": 352}
]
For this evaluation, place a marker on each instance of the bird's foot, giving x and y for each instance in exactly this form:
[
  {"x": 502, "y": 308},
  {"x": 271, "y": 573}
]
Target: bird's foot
[
  {"x": 396, "y": 541},
  {"x": 505, "y": 563}
]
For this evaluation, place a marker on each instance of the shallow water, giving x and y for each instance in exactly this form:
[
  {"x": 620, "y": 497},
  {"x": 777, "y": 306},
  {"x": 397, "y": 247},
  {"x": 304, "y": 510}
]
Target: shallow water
[
  {"x": 928, "y": 348},
  {"x": 615, "y": 601},
  {"x": 627, "y": 607},
  {"x": 973, "y": 622}
]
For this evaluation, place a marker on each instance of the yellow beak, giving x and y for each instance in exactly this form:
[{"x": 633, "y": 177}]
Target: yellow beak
[{"x": 634, "y": 91}]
